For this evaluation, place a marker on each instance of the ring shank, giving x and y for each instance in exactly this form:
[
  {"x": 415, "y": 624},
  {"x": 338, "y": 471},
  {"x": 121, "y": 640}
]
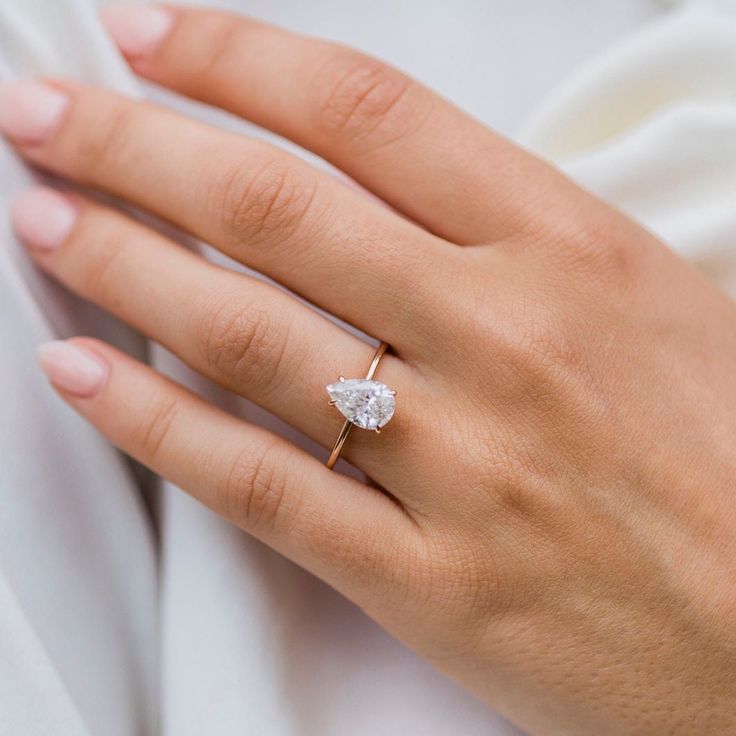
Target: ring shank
[{"x": 347, "y": 424}]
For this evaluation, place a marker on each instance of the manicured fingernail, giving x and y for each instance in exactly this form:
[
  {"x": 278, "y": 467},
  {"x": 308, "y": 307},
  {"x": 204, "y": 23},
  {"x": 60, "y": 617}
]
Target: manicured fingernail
[
  {"x": 30, "y": 112},
  {"x": 72, "y": 368},
  {"x": 137, "y": 29},
  {"x": 43, "y": 218}
]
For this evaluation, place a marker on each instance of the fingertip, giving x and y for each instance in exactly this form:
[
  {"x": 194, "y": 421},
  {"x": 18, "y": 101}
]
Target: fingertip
[
  {"x": 73, "y": 368},
  {"x": 43, "y": 218},
  {"x": 31, "y": 111},
  {"x": 138, "y": 30}
]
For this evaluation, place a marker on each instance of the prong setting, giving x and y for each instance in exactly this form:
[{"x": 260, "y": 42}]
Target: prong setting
[{"x": 363, "y": 402}]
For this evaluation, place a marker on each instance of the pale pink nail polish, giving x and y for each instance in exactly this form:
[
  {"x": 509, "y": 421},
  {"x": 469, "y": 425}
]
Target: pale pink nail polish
[
  {"x": 30, "y": 112},
  {"x": 136, "y": 29},
  {"x": 43, "y": 218},
  {"x": 72, "y": 368}
]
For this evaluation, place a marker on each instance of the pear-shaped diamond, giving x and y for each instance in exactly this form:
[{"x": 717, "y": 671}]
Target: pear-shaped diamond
[{"x": 367, "y": 404}]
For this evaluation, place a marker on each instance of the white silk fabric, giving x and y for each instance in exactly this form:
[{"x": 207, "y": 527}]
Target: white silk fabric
[{"x": 126, "y": 613}]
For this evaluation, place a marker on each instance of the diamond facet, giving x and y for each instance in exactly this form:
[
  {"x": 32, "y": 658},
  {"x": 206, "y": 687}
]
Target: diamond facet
[{"x": 367, "y": 404}]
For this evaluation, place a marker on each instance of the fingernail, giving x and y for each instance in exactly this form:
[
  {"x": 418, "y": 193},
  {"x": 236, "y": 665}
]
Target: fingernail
[
  {"x": 136, "y": 29},
  {"x": 72, "y": 368},
  {"x": 43, "y": 218},
  {"x": 30, "y": 111}
]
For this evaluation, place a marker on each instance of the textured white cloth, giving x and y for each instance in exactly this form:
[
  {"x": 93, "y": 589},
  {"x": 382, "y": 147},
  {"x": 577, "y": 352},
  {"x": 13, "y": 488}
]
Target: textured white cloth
[{"x": 110, "y": 626}]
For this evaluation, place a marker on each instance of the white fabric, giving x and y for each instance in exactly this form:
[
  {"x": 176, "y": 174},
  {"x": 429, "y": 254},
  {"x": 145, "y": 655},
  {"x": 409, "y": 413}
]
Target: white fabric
[
  {"x": 229, "y": 638},
  {"x": 651, "y": 127}
]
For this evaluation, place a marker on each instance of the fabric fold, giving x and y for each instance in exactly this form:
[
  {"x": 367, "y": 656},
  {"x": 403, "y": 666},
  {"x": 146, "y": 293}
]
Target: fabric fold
[{"x": 650, "y": 126}]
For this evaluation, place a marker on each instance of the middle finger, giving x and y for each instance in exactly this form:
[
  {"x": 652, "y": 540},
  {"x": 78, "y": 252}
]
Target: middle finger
[{"x": 253, "y": 201}]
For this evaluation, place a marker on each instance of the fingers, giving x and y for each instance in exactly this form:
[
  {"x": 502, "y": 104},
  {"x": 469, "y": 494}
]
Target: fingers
[
  {"x": 330, "y": 524},
  {"x": 248, "y": 335},
  {"x": 401, "y": 141},
  {"x": 255, "y": 202}
]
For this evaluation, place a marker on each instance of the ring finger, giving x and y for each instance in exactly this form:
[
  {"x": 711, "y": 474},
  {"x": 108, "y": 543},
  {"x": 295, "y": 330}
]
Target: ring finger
[{"x": 244, "y": 333}]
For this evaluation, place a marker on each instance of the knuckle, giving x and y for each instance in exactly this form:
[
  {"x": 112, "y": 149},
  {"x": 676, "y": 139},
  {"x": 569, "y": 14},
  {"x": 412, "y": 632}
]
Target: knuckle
[
  {"x": 535, "y": 361},
  {"x": 247, "y": 344},
  {"x": 602, "y": 247},
  {"x": 256, "y": 488},
  {"x": 104, "y": 143},
  {"x": 529, "y": 334},
  {"x": 103, "y": 263},
  {"x": 507, "y": 468},
  {"x": 103, "y": 270},
  {"x": 520, "y": 486},
  {"x": 359, "y": 97},
  {"x": 155, "y": 425},
  {"x": 619, "y": 261},
  {"x": 272, "y": 199},
  {"x": 227, "y": 39}
]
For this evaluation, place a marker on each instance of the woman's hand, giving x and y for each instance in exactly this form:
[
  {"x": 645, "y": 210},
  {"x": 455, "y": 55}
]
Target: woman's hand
[{"x": 558, "y": 527}]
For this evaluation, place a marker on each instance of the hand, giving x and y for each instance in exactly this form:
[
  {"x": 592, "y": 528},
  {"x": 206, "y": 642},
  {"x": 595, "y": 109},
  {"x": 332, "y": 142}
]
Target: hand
[{"x": 554, "y": 521}]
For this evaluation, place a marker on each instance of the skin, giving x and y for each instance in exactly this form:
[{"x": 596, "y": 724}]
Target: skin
[{"x": 553, "y": 519}]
